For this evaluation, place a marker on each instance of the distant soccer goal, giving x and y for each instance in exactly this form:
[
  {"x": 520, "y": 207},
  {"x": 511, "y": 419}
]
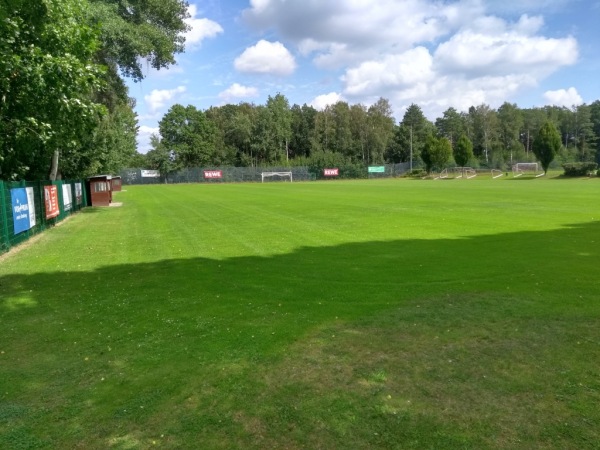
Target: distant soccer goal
[
  {"x": 276, "y": 176},
  {"x": 520, "y": 169},
  {"x": 443, "y": 175},
  {"x": 465, "y": 172},
  {"x": 496, "y": 173},
  {"x": 469, "y": 172}
]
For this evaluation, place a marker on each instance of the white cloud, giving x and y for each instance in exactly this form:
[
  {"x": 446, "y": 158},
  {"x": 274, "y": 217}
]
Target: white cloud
[
  {"x": 266, "y": 58},
  {"x": 341, "y": 33},
  {"x": 158, "y": 98},
  {"x": 322, "y": 101},
  {"x": 433, "y": 53},
  {"x": 238, "y": 91},
  {"x": 400, "y": 71},
  {"x": 200, "y": 28},
  {"x": 143, "y": 138},
  {"x": 488, "y": 61},
  {"x": 563, "y": 97},
  {"x": 476, "y": 53}
]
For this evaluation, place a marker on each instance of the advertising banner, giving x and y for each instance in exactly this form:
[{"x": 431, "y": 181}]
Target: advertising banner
[
  {"x": 213, "y": 174},
  {"x": 31, "y": 203},
  {"x": 51, "y": 200},
  {"x": 331, "y": 172},
  {"x": 376, "y": 169},
  {"x": 78, "y": 193},
  {"x": 20, "y": 210},
  {"x": 150, "y": 173},
  {"x": 67, "y": 197}
]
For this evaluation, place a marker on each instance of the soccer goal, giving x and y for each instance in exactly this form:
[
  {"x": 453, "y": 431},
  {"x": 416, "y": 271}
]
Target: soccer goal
[
  {"x": 278, "y": 176},
  {"x": 465, "y": 172},
  {"x": 469, "y": 172},
  {"x": 496, "y": 173},
  {"x": 443, "y": 175},
  {"x": 520, "y": 169}
]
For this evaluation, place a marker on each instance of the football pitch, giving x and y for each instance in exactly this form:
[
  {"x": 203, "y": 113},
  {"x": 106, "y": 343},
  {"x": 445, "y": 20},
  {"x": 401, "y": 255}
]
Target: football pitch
[{"x": 373, "y": 314}]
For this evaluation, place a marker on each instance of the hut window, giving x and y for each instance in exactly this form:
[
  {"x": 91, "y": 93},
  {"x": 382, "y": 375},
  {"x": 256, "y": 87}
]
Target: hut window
[{"x": 100, "y": 186}]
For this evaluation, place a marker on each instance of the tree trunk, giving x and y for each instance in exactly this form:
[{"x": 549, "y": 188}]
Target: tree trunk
[{"x": 54, "y": 166}]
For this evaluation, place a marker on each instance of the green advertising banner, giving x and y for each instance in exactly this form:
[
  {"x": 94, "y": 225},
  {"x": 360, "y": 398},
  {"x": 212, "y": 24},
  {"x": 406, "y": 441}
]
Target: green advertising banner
[{"x": 376, "y": 169}]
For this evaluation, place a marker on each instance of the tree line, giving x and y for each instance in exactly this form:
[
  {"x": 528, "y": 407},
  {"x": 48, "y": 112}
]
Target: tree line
[
  {"x": 64, "y": 108},
  {"x": 342, "y": 134}
]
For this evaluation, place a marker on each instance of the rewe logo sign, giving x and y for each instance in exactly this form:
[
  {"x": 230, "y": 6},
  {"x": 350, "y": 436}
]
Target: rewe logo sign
[
  {"x": 331, "y": 172},
  {"x": 213, "y": 174}
]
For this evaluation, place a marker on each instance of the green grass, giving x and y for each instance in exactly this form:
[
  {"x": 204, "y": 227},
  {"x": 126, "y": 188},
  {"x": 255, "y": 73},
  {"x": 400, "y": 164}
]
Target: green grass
[{"x": 359, "y": 314}]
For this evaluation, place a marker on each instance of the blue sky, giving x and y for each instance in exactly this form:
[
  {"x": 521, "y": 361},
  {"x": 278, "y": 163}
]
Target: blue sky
[{"x": 437, "y": 54}]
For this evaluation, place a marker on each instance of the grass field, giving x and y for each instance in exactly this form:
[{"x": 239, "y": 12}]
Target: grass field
[{"x": 353, "y": 314}]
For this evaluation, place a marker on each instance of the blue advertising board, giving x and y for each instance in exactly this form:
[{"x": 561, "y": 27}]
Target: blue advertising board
[{"x": 20, "y": 209}]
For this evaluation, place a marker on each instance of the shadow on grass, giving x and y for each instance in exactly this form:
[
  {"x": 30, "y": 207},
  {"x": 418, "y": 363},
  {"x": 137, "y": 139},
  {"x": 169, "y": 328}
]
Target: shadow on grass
[{"x": 179, "y": 345}]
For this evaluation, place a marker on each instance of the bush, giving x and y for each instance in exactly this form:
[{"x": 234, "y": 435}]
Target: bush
[
  {"x": 580, "y": 169},
  {"x": 417, "y": 173}
]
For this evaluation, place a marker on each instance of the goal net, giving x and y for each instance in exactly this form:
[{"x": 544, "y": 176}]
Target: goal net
[
  {"x": 443, "y": 175},
  {"x": 276, "y": 176},
  {"x": 465, "y": 172},
  {"x": 520, "y": 169}
]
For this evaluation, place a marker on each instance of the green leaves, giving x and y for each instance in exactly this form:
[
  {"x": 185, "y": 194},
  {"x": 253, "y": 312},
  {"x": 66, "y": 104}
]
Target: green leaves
[
  {"x": 47, "y": 81},
  {"x": 436, "y": 152},
  {"x": 187, "y": 133},
  {"x": 547, "y": 144},
  {"x": 463, "y": 151},
  {"x": 136, "y": 30}
]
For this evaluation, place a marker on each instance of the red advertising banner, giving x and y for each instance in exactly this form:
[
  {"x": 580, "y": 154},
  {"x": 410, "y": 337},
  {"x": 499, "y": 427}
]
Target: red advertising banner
[
  {"x": 331, "y": 172},
  {"x": 213, "y": 174},
  {"x": 51, "y": 200}
]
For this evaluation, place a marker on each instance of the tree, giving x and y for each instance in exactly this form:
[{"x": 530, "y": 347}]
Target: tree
[
  {"x": 46, "y": 86},
  {"x": 138, "y": 160},
  {"x": 533, "y": 119},
  {"x": 280, "y": 117},
  {"x": 463, "y": 151},
  {"x": 510, "y": 124},
  {"x": 484, "y": 121},
  {"x": 595, "y": 116},
  {"x": 547, "y": 144},
  {"x": 112, "y": 144},
  {"x": 451, "y": 125},
  {"x": 381, "y": 122},
  {"x": 398, "y": 149},
  {"x": 584, "y": 135},
  {"x": 160, "y": 158},
  {"x": 303, "y": 129},
  {"x": 132, "y": 31},
  {"x": 419, "y": 129},
  {"x": 436, "y": 152},
  {"x": 342, "y": 141},
  {"x": 359, "y": 124},
  {"x": 188, "y": 135}
]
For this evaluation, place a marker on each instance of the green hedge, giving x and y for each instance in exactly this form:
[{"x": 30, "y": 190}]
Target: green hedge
[{"x": 580, "y": 169}]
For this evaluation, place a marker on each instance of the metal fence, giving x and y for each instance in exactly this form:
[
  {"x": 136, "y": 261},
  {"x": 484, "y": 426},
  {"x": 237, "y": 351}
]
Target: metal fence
[
  {"x": 253, "y": 174},
  {"x": 29, "y": 207}
]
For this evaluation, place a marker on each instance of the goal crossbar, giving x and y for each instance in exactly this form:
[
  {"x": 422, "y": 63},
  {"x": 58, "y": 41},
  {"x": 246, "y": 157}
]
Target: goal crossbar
[{"x": 275, "y": 174}]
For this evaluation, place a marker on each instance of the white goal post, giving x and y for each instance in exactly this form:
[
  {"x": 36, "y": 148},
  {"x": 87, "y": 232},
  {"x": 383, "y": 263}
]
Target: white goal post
[
  {"x": 530, "y": 168},
  {"x": 276, "y": 174},
  {"x": 458, "y": 172},
  {"x": 443, "y": 175}
]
